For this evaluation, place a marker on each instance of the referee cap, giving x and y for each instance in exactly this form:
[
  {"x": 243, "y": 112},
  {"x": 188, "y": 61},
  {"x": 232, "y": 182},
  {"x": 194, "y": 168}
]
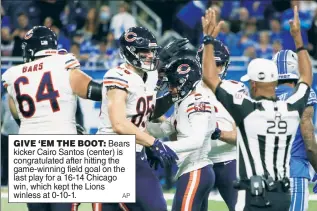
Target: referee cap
[
  {"x": 287, "y": 65},
  {"x": 261, "y": 70}
]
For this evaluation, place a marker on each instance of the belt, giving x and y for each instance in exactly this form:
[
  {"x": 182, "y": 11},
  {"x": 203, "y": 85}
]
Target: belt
[{"x": 275, "y": 186}]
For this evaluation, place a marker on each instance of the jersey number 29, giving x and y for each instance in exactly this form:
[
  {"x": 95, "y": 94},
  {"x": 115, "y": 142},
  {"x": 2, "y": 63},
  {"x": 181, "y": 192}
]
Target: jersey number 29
[{"x": 45, "y": 91}]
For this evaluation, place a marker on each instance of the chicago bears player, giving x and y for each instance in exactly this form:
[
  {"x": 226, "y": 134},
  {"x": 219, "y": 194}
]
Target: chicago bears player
[
  {"x": 223, "y": 154},
  {"x": 43, "y": 91},
  {"x": 193, "y": 121},
  {"x": 287, "y": 63},
  {"x": 127, "y": 103}
]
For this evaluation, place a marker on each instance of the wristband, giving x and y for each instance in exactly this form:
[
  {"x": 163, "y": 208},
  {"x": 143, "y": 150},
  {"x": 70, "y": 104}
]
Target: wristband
[
  {"x": 208, "y": 40},
  {"x": 300, "y": 49}
]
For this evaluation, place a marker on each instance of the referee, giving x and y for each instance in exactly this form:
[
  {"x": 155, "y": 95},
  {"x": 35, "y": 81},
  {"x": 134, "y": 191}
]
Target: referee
[{"x": 266, "y": 127}]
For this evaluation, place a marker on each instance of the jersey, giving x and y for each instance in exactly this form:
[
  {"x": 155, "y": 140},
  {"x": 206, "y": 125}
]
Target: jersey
[
  {"x": 299, "y": 164},
  {"x": 194, "y": 121},
  {"x": 221, "y": 151},
  {"x": 266, "y": 130},
  {"x": 42, "y": 94},
  {"x": 140, "y": 100}
]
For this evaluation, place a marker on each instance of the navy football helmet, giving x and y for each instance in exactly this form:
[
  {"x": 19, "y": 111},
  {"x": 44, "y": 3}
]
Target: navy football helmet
[
  {"x": 137, "y": 40},
  {"x": 36, "y": 40},
  {"x": 222, "y": 56},
  {"x": 183, "y": 74}
]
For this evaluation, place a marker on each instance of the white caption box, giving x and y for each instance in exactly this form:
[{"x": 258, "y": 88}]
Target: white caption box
[{"x": 71, "y": 168}]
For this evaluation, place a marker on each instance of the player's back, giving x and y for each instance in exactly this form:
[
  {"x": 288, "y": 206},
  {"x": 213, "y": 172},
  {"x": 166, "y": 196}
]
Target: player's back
[
  {"x": 43, "y": 96},
  {"x": 299, "y": 165}
]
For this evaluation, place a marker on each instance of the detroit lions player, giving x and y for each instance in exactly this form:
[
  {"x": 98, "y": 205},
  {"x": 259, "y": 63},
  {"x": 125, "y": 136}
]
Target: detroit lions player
[
  {"x": 223, "y": 154},
  {"x": 193, "y": 121},
  {"x": 287, "y": 63}
]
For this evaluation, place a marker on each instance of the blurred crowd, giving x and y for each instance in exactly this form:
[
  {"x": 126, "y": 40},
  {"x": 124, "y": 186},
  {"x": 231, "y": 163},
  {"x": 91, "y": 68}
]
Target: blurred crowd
[
  {"x": 252, "y": 28},
  {"x": 90, "y": 33}
]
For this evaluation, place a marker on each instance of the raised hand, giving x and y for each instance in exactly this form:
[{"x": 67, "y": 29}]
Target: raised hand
[
  {"x": 209, "y": 23},
  {"x": 172, "y": 49},
  {"x": 295, "y": 24}
]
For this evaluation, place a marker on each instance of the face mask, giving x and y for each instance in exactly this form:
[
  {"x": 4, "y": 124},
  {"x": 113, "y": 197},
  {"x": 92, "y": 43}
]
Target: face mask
[{"x": 104, "y": 16}]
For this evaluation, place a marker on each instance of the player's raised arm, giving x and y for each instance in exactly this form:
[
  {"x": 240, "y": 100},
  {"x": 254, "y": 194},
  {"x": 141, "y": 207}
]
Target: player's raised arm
[
  {"x": 304, "y": 63},
  {"x": 211, "y": 29}
]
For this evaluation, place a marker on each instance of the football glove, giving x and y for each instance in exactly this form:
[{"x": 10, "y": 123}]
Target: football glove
[
  {"x": 153, "y": 161},
  {"x": 160, "y": 154},
  {"x": 80, "y": 130},
  {"x": 314, "y": 180},
  {"x": 216, "y": 134},
  {"x": 172, "y": 49}
]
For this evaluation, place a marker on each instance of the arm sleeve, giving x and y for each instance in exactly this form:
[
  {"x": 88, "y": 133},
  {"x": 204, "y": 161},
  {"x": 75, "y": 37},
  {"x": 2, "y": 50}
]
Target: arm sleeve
[
  {"x": 162, "y": 105},
  {"x": 162, "y": 129},
  {"x": 298, "y": 100},
  {"x": 198, "y": 119},
  {"x": 237, "y": 104}
]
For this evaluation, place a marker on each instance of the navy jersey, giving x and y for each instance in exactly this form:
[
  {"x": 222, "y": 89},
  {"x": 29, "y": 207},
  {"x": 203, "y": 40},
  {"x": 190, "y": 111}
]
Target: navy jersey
[{"x": 299, "y": 164}]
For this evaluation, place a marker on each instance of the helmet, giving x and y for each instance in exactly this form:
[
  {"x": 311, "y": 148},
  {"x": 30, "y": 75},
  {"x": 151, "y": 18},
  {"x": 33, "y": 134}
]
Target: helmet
[
  {"x": 287, "y": 65},
  {"x": 221, "y": 54},
  {"x": 36, "y": 40},
  {"x": 183, "y": 74},
  {"x": 134, "y": 41}
]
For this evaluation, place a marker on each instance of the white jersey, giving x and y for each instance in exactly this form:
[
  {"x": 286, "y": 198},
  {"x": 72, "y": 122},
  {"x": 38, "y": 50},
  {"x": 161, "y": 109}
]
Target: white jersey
[
  {"x": 42, "y": 94},
  {"x": 221, "y": 151},
  {"x": 194, "y": 121},
  {"x": 139, "y": 104}
]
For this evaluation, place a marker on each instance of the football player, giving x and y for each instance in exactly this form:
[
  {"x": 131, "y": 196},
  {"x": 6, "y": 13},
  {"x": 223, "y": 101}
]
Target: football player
[
  {"x": 43, "y": 91},
  {"x": 127, "y": 102},
  {"x": 194, "y": 121},
  {"x": 287, "y": 63},
  {"x": 223, "y": 154}
]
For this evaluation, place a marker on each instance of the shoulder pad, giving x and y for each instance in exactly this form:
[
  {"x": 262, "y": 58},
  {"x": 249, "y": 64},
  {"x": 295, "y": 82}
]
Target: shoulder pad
[
  {"x": 116, "y": 77},
  {"x": 235, "y": 86},
  {"x": 312, "y": 99},
  {"x": 197, "y": 103},
  {"x": 71, "y": 62}
]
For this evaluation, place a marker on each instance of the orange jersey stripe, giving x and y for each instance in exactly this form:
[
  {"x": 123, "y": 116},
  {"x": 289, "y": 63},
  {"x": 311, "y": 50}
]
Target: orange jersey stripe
[
  {"x": 123, "y": 207},
  {"x": 192, "y": 197},
  {"x": 96, "y": 206}
]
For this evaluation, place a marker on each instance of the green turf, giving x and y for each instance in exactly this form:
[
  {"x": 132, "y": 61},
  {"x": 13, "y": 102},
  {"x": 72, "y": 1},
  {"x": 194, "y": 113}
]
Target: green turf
[{"x": 212, "y": 205}]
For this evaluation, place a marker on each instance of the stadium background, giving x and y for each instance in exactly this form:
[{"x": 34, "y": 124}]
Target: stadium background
[{"x": 90, "y": 30}]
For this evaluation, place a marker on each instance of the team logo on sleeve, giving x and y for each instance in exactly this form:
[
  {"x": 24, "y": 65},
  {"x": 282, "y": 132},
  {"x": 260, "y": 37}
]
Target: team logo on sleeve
[
  {"x": 183, "y": 69},
  {"x": 130, "y": 36},
  {"x": 29, "y": 34}
]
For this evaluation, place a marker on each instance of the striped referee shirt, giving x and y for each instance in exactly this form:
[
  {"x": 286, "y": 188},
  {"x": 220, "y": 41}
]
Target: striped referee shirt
[{"x": 266, "y": 130}]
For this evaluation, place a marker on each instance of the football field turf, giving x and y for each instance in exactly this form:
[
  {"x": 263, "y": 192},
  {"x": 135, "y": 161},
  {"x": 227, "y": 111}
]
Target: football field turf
[{"x": 215, "y": 203}]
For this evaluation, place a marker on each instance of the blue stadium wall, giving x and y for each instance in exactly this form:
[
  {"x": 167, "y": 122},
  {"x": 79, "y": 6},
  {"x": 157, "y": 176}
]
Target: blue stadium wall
[{"x": 91, "y": 109}]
